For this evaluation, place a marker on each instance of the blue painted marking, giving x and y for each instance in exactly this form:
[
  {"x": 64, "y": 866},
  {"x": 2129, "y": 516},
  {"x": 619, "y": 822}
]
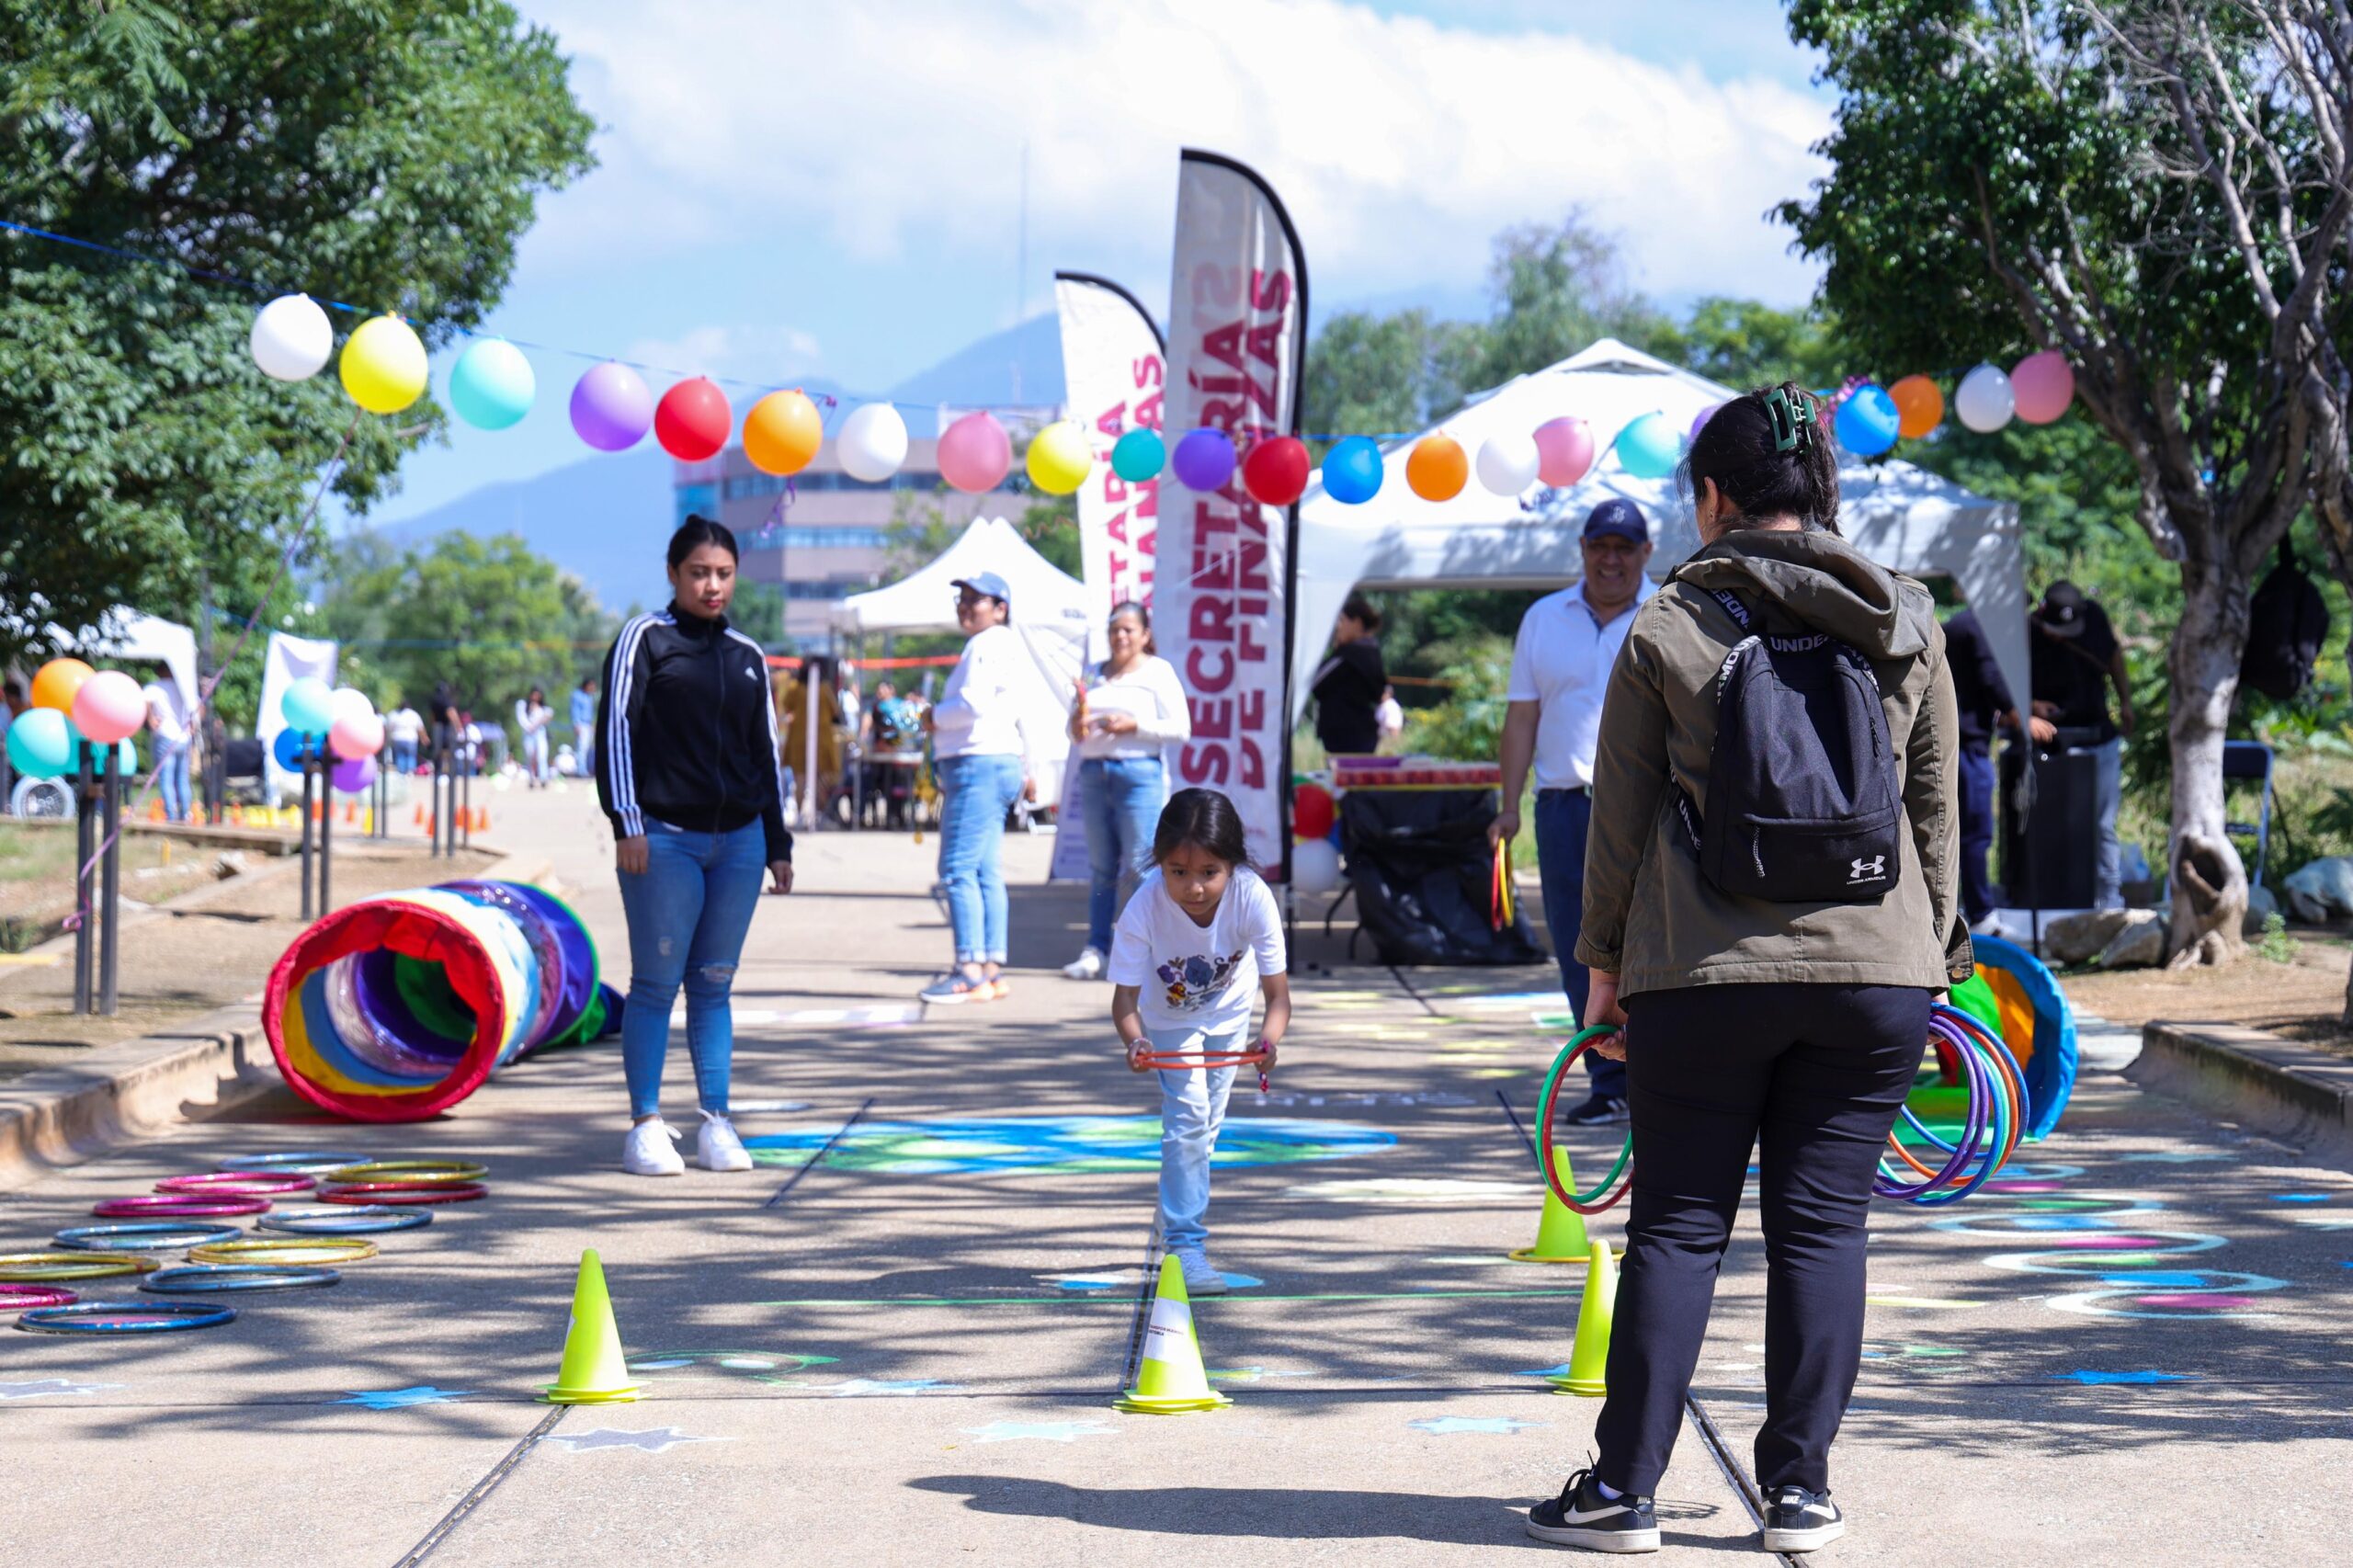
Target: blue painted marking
[
  {"x": 1241, "y": 1281},
  {"x": 2158, "y": 1279},
  {"x": 2301, "y": 1197},
  {"x": 2094, "y": 1378}
]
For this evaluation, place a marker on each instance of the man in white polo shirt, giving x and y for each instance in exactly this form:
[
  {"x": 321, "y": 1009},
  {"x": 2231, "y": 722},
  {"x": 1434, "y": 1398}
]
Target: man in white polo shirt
[{"x": 1560, "y": 669}]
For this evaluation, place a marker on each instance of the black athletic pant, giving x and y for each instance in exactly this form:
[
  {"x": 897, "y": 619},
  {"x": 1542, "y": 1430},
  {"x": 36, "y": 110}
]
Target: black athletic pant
[{"x": 1813, "y": 1075}]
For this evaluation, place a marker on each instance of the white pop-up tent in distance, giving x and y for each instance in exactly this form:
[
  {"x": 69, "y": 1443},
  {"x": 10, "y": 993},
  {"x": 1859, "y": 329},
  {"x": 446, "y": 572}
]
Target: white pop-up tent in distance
[
  {"x": 1902, "y": 516},
  {"x": 1049, "y": 611}
]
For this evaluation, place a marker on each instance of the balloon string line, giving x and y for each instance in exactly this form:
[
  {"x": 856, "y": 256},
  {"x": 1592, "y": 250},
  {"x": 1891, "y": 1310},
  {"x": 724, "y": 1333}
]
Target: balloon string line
[{"x": 237, "y": 646}]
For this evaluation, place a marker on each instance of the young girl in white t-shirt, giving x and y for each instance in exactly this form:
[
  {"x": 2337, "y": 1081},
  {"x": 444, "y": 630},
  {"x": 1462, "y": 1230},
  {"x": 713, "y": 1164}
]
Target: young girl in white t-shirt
[{"x": 1201, "y": 935}]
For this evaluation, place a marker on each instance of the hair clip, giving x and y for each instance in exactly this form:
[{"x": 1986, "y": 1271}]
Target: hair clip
[{"x": 1789, "y": 418}]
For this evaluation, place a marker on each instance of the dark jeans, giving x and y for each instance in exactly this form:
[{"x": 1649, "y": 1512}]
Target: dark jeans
[
  {"x": 1563, "y": 817},
  {"x": 1813, "y": 1075},
  {"x": 1976, "y": 829}
]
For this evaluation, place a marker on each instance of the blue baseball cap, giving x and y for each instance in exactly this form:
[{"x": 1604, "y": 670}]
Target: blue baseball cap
[
  {"x": 1616, "y": 518},
  {"x": 988, "y": 585}
]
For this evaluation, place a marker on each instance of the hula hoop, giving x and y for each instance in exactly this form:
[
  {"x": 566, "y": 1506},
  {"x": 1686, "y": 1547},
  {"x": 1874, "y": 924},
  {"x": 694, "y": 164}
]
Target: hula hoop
[
  {"x": 1501, "y": 910},
  {"x": 38, "y": 1267},
  {"x": 238, "y": 1184},
  {"x": 303, "y": 1163},
  {"x": 410, "y": 1173},
  {"x": 383, "y": 1194},
  {"x": 320, "y": 1221},
  {"x": 143, "y": 1235},
  {"x": 283, "y": 1250},
  {"x": 204, "y": 1278},
  {"x": 1602, "y": 1197},
  {"x": 20, "y": 1297},
  {"x": 2000, "y": 1110},
  {"x": 124, "y": 1317},
  {"x": 1186, "y": 1061},
  {"x": 175, "y": 1206}
]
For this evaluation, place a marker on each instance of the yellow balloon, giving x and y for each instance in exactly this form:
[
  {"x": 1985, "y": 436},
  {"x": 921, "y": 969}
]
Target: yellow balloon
[
  {"x": 1060, "y": 458},
  {"x": 383, "y": 365}
]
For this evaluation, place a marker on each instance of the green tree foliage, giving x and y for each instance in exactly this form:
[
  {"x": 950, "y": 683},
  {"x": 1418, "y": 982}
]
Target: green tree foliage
[{"x": 388, "y": 156}]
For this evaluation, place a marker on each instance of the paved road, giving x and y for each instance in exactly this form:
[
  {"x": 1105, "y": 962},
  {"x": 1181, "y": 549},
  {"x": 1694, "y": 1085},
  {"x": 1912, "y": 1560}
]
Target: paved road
[{"x": 906, "y": 1351}]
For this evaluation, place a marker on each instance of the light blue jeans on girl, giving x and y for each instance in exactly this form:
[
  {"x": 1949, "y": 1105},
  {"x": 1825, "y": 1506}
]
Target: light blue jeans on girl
[
  {"x": 687, "y": 912},
  {"x": 1121, "y": 797},
  {"x": 975, "y": 793},
  {"x": 1192, "y": 1108}
]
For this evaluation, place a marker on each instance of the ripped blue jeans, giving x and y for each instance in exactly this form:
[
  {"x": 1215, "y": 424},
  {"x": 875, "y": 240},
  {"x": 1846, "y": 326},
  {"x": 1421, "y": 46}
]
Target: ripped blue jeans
[{"x": 687, "y": 912}]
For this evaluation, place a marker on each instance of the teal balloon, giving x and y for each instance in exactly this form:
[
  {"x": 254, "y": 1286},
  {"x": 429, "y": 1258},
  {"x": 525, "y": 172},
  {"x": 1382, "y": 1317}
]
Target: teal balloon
[
  {"x": 1138, "y": 455},
  {"x": 1352, "y": 470},
  {"x": 1649, "y": 446},
  {"x": 308, "y": 706},
  {"x": 491, "y": 386},
  {"x": 1868, "y": 421},
  {"x": 41, "y": 744},
  {"x": 130, "y": 758}
]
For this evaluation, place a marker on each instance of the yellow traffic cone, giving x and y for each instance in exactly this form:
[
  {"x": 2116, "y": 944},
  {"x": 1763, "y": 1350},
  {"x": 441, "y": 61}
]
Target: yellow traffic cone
[
  {"x": 1560, "y": 1234},
  {"x": 592, "y": 1371},
  {"x": 1169, "y": 1381},
  {"x": 1589, "y": 1358}
]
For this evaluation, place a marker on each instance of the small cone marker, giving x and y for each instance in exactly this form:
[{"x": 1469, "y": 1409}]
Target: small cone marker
[
  {"x": 1169, "y": 1377},
  {"x": 592, "y": 1371},
  {"x": 418, "y": 820},
  {"x": 1560, "y": 1234},
  {"x": 1589, "y": 1357},
  {"x": 481, "y": 819}
]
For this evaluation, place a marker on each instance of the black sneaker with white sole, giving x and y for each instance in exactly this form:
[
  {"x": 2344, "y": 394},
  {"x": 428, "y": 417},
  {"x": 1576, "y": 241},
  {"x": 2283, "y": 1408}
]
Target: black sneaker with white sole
[
  {"x": 1798, "y": 1520},
  {"x": 1599, "y": 1111},
  {"x": 1582, "y": 1517}
]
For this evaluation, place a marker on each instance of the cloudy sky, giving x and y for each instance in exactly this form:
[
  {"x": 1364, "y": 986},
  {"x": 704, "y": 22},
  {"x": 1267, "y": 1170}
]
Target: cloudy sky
[{"x": 834, "y": 191}]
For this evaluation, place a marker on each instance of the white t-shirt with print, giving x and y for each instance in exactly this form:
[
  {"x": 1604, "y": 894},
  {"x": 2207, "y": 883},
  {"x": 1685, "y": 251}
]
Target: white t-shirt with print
[{"x": 1198, "y": 977}]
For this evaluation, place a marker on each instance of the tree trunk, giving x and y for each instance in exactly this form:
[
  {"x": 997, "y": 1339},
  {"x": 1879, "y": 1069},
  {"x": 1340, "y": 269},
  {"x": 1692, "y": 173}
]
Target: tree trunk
[{"x": 2207, "y": 879}]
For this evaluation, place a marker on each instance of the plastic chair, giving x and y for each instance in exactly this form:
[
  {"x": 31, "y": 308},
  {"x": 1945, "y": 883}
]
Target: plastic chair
[{"x": 2251, "y": 760}]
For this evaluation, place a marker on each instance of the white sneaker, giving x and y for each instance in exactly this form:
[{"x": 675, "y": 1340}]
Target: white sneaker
[
  {"x": 648, "y": 1151},
  {"x": 717, "y": 1148},
  {"x": 1201, "y": 1277},
  {"x": 1089, "y": 965}
]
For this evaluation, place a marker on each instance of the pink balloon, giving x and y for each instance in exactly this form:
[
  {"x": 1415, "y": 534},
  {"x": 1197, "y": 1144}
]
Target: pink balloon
[
  {"x": 2044, "y": 384},
  {"x": 975, "y": 453},
  {"x": 109, "y": 706},
  {"x": 357, "y": 735},
  {"x": 1563, "y": 450}
]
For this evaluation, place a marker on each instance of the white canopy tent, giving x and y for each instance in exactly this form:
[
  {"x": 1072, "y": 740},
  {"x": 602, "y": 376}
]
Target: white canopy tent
[
  {"x": 1900, "y": 516},
  {"x": 1049, "y": 610}
]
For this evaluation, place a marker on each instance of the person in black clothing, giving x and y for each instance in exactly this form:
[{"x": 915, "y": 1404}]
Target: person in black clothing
[
  {"x": 1347, "y": 688},
  {"x": 686, "y": 771},
  {"x": 449, "y": 726},
  {"x": 1984, "y": 701},
  {"x": 2075, "y": 658}
]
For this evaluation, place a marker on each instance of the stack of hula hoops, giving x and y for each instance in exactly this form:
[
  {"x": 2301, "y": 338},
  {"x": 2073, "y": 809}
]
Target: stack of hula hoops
[
  {"x": 1999, "y": 1110},
  {"x": 200, "y": 1215}
]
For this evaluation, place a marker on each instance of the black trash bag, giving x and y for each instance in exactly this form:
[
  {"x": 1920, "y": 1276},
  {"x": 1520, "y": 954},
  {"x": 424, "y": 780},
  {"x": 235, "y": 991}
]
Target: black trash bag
[{"x": 1423, "y": 875}]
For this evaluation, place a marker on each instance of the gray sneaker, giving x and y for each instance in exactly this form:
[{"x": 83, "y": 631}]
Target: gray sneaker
[{"x": 1201, "y": 1277}]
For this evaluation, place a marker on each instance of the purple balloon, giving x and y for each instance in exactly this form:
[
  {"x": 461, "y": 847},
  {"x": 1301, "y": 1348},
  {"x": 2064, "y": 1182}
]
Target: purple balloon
[
  {"x": 610, "y": 407},
  {"x": 1700, "y": 419},
  {"x": 1203, "y": 460},
  {"x": 353, "y": 773}
]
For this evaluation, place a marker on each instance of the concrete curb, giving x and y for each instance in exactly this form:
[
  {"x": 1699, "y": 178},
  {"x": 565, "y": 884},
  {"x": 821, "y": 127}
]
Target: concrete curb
[{"x": 2263, "y": 1083}]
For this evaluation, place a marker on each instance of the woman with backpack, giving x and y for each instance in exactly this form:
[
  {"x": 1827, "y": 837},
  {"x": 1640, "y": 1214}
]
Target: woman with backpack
[{"x": 1771, "y": 903}]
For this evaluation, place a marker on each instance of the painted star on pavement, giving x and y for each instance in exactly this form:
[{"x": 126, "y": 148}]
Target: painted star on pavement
[
  {"x": 652, "y": 1442},
  {"x": 401, "y": 1399},
  {"x": 2092, "y": 1378},
  {"x": 1042, "y": 1431},
  {"x": 36, "y": 1389},
  {"x": 1446, "y": 1426}
]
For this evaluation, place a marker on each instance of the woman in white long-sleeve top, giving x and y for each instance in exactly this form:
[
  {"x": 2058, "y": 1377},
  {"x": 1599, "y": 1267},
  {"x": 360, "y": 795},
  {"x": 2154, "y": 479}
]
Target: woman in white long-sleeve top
[{"x": 1130, "y": 710}]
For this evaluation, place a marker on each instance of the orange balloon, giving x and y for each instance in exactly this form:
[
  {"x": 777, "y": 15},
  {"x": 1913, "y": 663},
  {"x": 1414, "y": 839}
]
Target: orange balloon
[
  {"x": 781, "y": 433},
  {"x": 1919, "y": 406},
  {"x": 1437, "y": 468},
  {"x": 56, "y": 682}
]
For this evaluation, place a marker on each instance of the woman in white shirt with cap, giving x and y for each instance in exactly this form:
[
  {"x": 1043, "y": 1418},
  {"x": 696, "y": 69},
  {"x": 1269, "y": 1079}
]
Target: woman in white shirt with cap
[
  {"x": 980, "y": 757},
  {"x": 1131, "y": 709}
]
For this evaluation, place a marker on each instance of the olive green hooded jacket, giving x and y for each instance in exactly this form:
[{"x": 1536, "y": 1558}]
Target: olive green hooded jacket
[{"x": 1650, "y": 916}]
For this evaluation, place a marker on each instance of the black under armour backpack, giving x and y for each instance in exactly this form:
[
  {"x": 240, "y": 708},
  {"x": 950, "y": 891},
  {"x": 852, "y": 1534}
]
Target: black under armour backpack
[
  {"x": 2287, "y": 622},
  {"x": 1803, "y": 804}
]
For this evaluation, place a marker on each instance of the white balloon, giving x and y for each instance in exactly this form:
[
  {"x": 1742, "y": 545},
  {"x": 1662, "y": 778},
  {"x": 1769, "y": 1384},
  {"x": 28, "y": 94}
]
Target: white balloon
[
  {"x": 1509, "y": 464},
  {"x": 1314, "y": 866},
  {"x": 348, "y": 702},
  {"x": 1984, "y": 400},
  {"x": 872, "y": 443},
  {"x": 291, "y": 339}
]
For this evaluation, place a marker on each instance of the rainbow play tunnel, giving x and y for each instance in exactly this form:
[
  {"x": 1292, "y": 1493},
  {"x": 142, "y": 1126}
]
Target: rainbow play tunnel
[{"x": 395, "y": 1009}]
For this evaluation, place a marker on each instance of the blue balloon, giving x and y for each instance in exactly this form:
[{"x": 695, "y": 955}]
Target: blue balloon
[
  {"x": 42, "y": 743},
  {"x": 1869, "y": 421},
  {"x": 492, "y": 386},
  {"x": 289, "y": 748},
  {"x": 1352, "y": 470},
  {"x": 308, "y": 706},
  {"x": 1139, "y": 455}
]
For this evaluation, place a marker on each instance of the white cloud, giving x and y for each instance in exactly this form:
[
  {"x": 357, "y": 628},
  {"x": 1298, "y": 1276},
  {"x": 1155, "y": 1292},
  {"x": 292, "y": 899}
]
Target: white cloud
[
  {"x": 761, "y": 354},
  {"x": 1401, "y": 146}
]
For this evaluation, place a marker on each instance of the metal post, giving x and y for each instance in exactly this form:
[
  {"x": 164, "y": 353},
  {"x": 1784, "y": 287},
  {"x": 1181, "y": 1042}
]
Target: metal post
[
  {"x": 112, "y": 907},
  {"x": 305, "y": 814},
  {"x": 466, "y": 804},
  {"x": 85, "y": 844},
  {"x": 326, "y": 835}
]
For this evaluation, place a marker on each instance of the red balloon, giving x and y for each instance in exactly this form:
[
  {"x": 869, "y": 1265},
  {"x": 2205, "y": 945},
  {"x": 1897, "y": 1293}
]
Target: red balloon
[
  {"x": 692, "y": 420},
  {"x": 1310, "y": 811},
  {"x": 1276, "y": 472}
]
